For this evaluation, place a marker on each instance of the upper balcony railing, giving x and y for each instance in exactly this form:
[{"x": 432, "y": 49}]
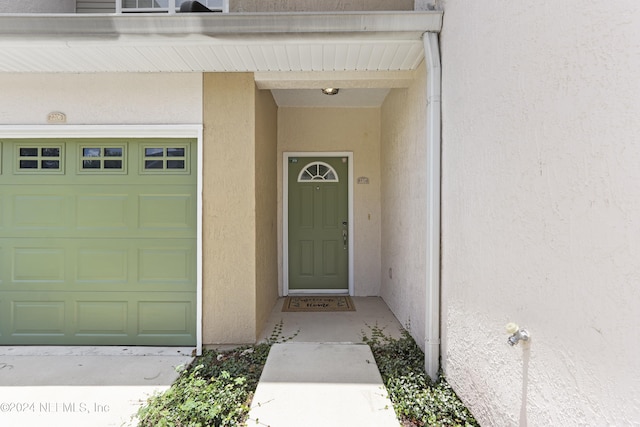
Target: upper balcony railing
[{"x": 166, "y": 6}]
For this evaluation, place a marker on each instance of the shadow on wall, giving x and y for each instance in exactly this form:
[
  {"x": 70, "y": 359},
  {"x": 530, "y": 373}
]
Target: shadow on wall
[{"x": 526, "y": 356}]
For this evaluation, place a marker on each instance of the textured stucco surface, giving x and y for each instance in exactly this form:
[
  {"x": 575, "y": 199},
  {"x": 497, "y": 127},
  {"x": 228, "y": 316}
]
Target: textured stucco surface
[
  {"x": 541, "y": 209},
  {"x": 27, "y": 99},
  {"x": 266, "y": 206},
  {"x": 37, "y": 6},
  {"x": 342, "y": 129},
  {"x": 229, "y": 206},
  {"x": 404, "y": 191},
  {"x": 318, "y": 6}
]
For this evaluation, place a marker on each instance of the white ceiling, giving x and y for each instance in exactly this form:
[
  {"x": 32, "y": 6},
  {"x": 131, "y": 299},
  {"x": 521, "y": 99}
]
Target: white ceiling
[
  {"x": 357, "y": 89},
  {"x": 315, "y": 98}
]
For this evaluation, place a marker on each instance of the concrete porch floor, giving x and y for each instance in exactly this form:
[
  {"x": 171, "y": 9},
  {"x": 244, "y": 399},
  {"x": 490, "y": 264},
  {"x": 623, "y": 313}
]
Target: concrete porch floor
[{"x": 337, "y": 327}]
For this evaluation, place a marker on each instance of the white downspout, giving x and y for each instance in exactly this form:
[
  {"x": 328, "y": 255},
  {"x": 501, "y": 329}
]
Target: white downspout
[{"x": 432, "y": 321}]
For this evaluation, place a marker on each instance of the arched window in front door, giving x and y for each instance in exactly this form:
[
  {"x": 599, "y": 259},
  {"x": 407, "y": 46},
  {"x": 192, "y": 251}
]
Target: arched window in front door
[{"x": 318, "y": 171}]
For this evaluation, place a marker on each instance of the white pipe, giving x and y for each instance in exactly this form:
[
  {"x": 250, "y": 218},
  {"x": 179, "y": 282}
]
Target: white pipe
[
  {"x": 199, "y": 239},
  {"x": 432, "y": 320}
]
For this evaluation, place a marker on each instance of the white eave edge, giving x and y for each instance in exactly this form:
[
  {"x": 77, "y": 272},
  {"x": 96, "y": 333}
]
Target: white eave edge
[{"x": 106, "y": 26}]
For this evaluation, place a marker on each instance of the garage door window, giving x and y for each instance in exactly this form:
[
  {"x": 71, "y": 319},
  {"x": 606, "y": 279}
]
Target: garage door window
[
  {"x": 40, "y": 159},
  {"x": 165, "y": 159},
  {"x": 103, "y": 159}
]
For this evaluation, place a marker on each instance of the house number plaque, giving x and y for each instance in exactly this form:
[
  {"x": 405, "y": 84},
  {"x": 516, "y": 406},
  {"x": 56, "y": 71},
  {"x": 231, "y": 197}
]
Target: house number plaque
[{"x": 56, "y": 117}]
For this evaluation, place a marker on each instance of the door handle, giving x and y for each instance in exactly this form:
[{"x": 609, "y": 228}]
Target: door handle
[{"x": 345, "y": 233}]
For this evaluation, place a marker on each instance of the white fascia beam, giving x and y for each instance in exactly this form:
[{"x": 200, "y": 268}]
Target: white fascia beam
[{"x": 341, "y": 79}]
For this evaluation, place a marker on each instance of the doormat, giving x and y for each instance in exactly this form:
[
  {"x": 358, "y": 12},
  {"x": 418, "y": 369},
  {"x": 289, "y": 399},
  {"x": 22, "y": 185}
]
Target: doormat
[{"x": 318, "y": 304}]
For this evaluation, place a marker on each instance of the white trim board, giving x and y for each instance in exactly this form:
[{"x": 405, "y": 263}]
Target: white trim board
[
  {"x": 132, "y": 131},
  {"x": 285, "y": 217}
]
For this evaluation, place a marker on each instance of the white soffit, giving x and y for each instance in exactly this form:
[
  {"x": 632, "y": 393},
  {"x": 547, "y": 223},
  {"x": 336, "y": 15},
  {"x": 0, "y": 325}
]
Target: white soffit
[
  {"x": 269, "y": 43},
  {"x": 346, "y": 98}
]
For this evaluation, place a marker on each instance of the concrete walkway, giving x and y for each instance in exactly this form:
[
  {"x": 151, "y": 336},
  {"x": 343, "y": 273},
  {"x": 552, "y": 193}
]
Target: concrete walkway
[
  {"x": 316, "y": 384},
  {"x": 308, "y": 383},
  {"x": 320, "y": 385},
  {"x": 82, "y": 386}
]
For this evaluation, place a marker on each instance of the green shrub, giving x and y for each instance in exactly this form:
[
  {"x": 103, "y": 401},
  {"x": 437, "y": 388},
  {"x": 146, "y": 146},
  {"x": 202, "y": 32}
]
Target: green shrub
[
  {"x": 416, "y": 399},
  {"x": 214, "y": 391},
  {"x": 217, "y": 388}
]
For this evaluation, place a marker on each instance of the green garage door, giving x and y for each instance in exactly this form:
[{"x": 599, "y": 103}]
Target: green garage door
[{"x": 98, "y": 242}]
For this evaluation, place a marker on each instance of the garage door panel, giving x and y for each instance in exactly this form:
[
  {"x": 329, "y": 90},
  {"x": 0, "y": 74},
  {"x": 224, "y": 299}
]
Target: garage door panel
[
  {"x": 39, "y": 212},
  {"x": 169, "y": 210},
  {"x": 2, "y": 214},
  {"x": 38, "y": 318},
  {"x": 90, "y": 318},
  {"x": 102, "y": 318},
  {"x": 165, "y": 265},
  {"x": 166, "y": 211},
  {"x": 31, "y": 210},
  {"x": 4, "y": 267},
  {"x": 166, "y": 318},
  {"x": 38, "y": 265},
  {"x": 100, "y": 265},
  {"x": 100, "y": 211},
  {"x": 92, "y": 255},
  {"x": 135, "y": 265}
]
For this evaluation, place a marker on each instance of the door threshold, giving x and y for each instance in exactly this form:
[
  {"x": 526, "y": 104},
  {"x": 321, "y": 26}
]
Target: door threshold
[{"x": 323, "y": 292}]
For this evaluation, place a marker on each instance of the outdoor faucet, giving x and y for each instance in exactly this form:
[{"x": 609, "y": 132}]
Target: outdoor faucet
[{"x": 517, "y": 334}]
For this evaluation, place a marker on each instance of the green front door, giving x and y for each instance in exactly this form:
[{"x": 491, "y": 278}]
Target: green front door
[
  {"x": 318, "y": 224},
  {"x": 98, "y": 242}
]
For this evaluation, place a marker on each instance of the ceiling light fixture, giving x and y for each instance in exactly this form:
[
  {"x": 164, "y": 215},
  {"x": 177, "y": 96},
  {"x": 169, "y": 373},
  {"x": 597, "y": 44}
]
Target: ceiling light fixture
[{"x": 330, "y": 90}]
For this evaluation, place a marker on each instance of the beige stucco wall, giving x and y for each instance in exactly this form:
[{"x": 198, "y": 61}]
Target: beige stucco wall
[
  {"x": 404, "y": 191},
  {"x": 342, "y": 129},
  {"x": 541, "y": 209},
  {"x": 318, "y": 6},
  {"x": 229, "y": 220},
  {"x": 266, "y": 206},
  {"x": 27, "y": 99}
]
